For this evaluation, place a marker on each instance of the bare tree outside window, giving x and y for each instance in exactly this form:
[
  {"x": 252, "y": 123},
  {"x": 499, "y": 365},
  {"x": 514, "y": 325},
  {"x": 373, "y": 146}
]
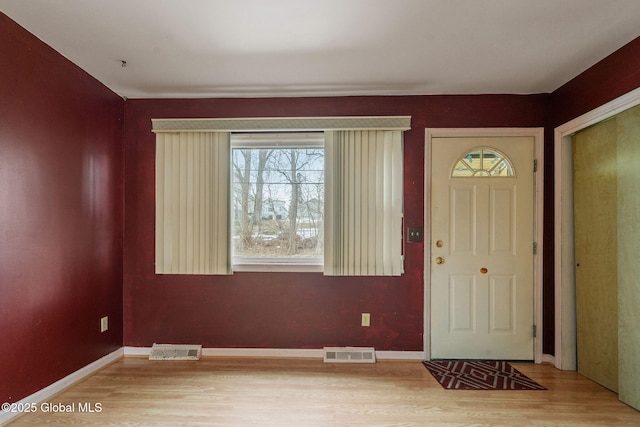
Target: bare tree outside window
[{"x": 278, "y": 201}]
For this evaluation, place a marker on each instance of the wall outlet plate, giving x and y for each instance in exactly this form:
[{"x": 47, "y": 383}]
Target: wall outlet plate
[
  {"x": 104, "y": 324},
  {"x": 366, "y": 319}
]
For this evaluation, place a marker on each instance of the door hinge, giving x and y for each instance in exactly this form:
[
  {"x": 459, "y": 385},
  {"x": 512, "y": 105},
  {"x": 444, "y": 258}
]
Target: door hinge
[
  {"x": 535, "y": 248},
  {"x": 534, "y": 331},
  {"x": 535, "y": 165}
]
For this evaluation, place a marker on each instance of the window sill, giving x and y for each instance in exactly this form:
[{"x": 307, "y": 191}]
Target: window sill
[{"x": 247, "y": 264}]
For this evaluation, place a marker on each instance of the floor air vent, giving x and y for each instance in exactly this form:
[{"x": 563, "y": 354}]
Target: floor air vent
[
  {"x": 175, "y": 352},
  {"x": 349, "y": 355}
]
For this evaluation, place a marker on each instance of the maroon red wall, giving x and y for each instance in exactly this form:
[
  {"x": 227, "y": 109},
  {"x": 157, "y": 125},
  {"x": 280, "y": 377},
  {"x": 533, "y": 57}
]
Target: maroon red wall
[
  {"x": 288, "y": 310},
  {"x": 60, "y": 215},
  {"x": 617, "y": 74}
]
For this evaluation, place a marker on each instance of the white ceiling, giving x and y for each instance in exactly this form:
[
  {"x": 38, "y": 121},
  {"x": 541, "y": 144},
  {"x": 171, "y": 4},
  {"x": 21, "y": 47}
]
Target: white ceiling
[{"x": 256, "y": 48}]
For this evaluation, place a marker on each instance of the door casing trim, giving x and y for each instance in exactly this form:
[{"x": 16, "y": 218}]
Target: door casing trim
[{"x": 538, "y": 136}]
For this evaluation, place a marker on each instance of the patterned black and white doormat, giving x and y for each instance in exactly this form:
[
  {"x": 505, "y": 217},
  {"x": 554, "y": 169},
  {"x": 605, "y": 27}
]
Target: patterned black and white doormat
[{"x": 479, "y": 375}]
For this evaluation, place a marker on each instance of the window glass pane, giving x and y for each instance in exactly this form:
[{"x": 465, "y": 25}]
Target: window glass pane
[
  {"x": 278, "y": 202},
  {"x": 483, "y": 162}
]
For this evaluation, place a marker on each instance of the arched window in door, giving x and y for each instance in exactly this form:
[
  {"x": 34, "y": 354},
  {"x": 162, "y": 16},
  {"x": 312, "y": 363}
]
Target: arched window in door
[{"x": 483, "y": 162}]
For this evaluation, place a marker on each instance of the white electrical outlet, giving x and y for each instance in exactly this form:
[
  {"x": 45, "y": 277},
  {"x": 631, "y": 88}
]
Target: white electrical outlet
[
  {"x": 366, "y": 319},
  {"x": 104, "y": 323}
]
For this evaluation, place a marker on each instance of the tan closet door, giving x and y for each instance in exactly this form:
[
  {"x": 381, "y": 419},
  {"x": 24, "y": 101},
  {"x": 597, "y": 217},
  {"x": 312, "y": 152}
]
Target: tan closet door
[
  {"x": 595, "y": 216},
  {"x": 628, "y": 248}
]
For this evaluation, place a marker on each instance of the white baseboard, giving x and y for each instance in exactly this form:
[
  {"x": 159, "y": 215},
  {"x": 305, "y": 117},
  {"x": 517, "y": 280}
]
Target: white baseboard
[
  {"x": 548, "y": 358},
  {"x": 264, "y": 352},
  {"x": 239, "y": 352},
  {"x": 55, "y": 388},
  {"x": 400, "y": 355},
  {"x": 279, "y": 353},
  {"x": 136, "y": 351}
]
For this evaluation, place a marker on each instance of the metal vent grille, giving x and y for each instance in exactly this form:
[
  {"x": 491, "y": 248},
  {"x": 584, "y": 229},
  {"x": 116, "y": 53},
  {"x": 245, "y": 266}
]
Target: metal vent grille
[
  {"x": 175, "y": 352},
  {"x": 349, "y": 355}
]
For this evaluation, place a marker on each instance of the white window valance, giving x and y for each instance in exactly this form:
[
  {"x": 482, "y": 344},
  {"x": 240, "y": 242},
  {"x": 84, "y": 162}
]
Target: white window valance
[{"x": 282, "y": 124}]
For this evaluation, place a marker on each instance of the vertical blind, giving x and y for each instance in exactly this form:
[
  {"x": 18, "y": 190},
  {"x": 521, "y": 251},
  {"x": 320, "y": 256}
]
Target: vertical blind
[
  {"x": 363, "y": 203},
  {"x": 192, "y": 203}
]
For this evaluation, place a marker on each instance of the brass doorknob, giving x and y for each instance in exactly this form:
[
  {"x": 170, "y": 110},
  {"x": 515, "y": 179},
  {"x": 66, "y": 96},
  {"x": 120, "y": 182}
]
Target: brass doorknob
[{"x": 439, "y": 260}]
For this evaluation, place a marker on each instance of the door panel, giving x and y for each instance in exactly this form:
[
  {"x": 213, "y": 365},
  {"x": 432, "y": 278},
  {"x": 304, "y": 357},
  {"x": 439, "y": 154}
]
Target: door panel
[
  {"x": 463, "y": 302},
  {"x": 606, "y": 200},
  {"x": 595, "y": 219},
  {"x": 502, "y": 211},
  {"x": 502, "y": 293},
  {"x": 628, "y": 248},
  {"x": 463, "y": 220},
  {"x": 482, "y": 291}
]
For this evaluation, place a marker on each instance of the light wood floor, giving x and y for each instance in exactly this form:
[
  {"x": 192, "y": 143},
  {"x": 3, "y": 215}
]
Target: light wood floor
[{"x": 306, "y": 392}]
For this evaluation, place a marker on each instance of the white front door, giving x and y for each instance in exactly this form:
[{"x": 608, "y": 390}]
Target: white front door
[{"x": 482, "y": 234}]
